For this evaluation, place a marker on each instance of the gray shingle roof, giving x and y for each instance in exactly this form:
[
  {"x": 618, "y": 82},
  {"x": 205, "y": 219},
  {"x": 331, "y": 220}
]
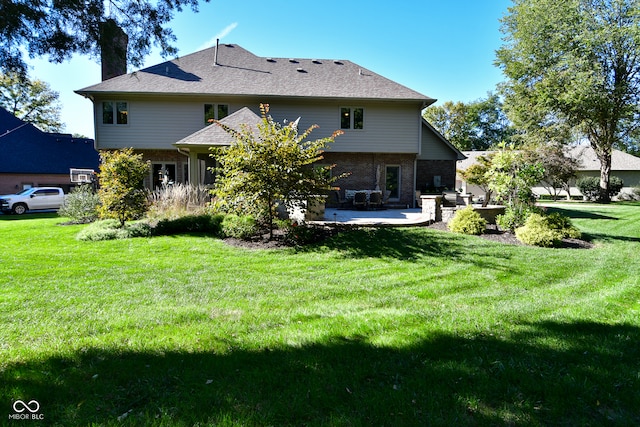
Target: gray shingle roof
[
  {"x": 240, "y": 72},
  {"x": 214, "y": 135},
  {"x": 620, "y": 161}
]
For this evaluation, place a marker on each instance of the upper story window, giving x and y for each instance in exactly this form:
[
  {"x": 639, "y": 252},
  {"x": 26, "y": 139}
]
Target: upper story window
[
  {"x": 351, "y": 118},
  {"x": 115, "y": 112},
  {"x": 215, "y": 112}
]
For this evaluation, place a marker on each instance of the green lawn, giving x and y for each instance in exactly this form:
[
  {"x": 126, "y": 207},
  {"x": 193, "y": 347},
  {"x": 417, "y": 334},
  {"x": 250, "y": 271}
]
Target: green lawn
[{"x": 388, "y": 327}]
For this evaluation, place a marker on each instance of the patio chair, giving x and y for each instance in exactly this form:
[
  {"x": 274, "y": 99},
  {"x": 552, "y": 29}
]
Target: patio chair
[
  {"x": 360, "y": 200},
  {"x": 375, "y": 199},
  {"x": 338, "y": 201}
]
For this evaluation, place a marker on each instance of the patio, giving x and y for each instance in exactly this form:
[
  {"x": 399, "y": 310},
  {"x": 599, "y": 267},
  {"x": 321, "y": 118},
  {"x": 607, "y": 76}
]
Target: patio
[{"x": 373, "y": 217}]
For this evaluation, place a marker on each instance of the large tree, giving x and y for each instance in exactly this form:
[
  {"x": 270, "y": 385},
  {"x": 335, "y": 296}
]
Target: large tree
[
  {"x": 477, "y": 125},
  {"x": 60, "y": 28},
  {"x": 31, "y": 100},
  {"x": 575, "y": 63}
]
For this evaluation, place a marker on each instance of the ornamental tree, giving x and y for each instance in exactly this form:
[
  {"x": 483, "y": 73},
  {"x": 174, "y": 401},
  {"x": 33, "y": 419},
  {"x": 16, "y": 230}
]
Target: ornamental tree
[
  {"x": 122, "y": 193},
  {"x": 268, "y": 166}
]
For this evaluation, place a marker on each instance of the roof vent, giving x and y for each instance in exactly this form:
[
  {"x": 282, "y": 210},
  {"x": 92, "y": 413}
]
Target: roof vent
[
  {"x": 293, "y": 61},
  {"x": 335, "y": 61},
  {"x": 316, "y": 61},
  {"x": 271, "y": 60},
  {"x": 301, "y": 70}
]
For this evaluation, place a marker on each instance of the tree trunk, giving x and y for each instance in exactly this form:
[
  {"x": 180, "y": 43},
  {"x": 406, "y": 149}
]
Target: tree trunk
[{"x": 605, "y": 174}]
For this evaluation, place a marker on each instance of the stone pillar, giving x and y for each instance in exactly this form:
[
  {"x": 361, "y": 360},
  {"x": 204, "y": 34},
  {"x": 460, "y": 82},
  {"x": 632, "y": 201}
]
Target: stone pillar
[{"x": 432, "y": 207}]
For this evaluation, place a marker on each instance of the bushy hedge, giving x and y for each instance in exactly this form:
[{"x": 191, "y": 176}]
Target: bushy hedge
[
  {"x": 546, "y": 231},
  {"x": 239, "y": 227},
  {"x": 467, "y": 221},
  {"x": 204, "y": 223},
  {"x": 589, "y": 186},
  {"x": 80, "y": 205},
  {"x": 110, "y": 229}
]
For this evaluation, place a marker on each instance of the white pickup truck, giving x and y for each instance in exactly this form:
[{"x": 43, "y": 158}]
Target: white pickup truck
[{"x": 34, "y": 198}]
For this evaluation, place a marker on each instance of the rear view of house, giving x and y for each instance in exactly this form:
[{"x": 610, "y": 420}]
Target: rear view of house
[{"x": 162, "y": 110}]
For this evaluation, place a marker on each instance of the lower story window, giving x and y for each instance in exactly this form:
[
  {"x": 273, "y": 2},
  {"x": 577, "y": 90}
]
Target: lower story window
[
  {"x": 393, "y": 181},
  {"x": 163, "y": 174}
]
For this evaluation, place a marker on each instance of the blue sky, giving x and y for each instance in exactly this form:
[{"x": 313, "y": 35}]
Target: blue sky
[{"x": 442, "y": 49}]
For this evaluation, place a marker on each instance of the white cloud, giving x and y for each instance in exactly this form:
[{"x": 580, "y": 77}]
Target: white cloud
[{"x": 220, "y": 35}]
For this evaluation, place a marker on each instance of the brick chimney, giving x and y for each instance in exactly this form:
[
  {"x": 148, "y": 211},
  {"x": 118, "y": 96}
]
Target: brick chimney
[{"x": 113, "y": 49}]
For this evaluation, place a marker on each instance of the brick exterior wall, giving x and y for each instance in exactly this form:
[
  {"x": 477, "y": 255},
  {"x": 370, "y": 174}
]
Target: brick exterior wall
[
  {"x": 427, "y": 169},
  {"x": 362, "y": 168},
  {"x": 12, "y": 183}
]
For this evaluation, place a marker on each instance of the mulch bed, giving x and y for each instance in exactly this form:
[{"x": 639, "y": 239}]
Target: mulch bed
[
  {"x": 495, "y": 234},
  {"x": 492, "y": 233}
]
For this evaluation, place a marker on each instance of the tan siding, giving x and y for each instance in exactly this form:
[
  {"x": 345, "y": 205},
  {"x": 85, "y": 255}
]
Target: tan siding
[
  {"x": 158, "y": 123},
  {"x": 388, "y": 128},
  {"x": 433, "y": 148}
]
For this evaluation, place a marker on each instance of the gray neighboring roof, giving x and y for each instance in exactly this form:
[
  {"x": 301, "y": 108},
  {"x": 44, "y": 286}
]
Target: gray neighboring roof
[
  {"x": 620, "y": 160},
  {"x": 471, "y": 158},
  {"x": 240, "y": 72},
  {"x": 213, "y": 134}
]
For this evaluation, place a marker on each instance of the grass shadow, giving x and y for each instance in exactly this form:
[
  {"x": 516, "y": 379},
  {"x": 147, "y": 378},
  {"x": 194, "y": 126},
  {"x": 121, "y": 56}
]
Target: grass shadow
[
  {"x": 580, "y": 214},
  {"x": 29, "y": 215},
  {"x": 549, "y": 373}
]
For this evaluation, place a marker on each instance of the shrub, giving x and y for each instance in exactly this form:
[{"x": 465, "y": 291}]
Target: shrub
[
  {"x": 546, "y": 231},
  {"x": 467, "y": 221},
  {"x": 300, "y": 234},
  {"x": 239, "y": 227},
  {"x": 515, "y": 216},
  {"x": 111, "y": 229},
  {"x": 561, "y": 223},
  {"x": 537, "y": 232},
  {"x": 81, "y": 205},
  {"x": 589, "y": 186},
  {"x": 122, "y": 193},
  {"x": 204, "y": 223}
]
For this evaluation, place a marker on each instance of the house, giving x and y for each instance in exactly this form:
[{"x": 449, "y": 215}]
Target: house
[
  {"x": 623, "y": 165},
  {"x": 161, "y": 112},
  {"x": 31, "y": 157}
]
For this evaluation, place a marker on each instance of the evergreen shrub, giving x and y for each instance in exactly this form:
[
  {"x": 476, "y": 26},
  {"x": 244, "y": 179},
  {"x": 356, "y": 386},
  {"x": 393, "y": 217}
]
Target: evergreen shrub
[{"x": 467, "y": 221}]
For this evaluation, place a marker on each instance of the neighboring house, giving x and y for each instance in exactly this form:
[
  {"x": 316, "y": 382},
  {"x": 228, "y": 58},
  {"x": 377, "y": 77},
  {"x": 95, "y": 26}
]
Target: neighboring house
[
  {"x": 623, "y": 165},
  {"x": 31, "y": 157},
  {"x": 163, "y": 112}
]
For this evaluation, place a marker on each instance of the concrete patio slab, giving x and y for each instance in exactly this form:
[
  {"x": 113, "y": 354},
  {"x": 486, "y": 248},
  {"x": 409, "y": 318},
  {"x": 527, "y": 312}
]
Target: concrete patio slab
[{"x": 374, "y": 217}]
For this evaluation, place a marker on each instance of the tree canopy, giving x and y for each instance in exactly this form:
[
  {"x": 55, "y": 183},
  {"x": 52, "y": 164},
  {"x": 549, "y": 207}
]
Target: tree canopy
[
  {"x": 477, "y": 125},
  {"x": 31, "y": 100},
  {"x": 60, "y": 28},
  {"x": 575, "y": 64}
]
